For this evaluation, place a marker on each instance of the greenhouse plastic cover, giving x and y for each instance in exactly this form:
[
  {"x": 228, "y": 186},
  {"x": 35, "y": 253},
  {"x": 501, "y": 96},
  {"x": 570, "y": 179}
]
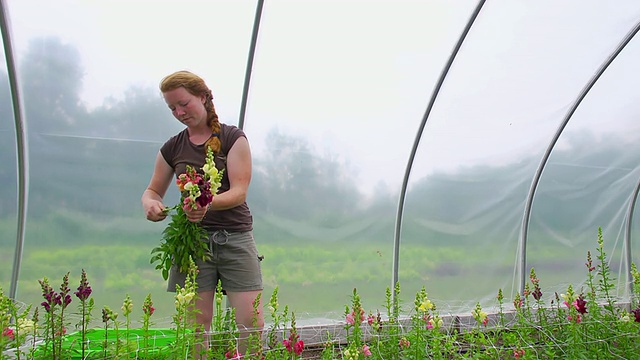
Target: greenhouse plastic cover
[{"x": 451, "y": 145}]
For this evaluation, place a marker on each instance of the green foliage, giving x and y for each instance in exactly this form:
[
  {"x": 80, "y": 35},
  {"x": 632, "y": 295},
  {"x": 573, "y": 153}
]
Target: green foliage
[
  {"x": 572, "y": 326},
  {"x": 181, "y": 241}
]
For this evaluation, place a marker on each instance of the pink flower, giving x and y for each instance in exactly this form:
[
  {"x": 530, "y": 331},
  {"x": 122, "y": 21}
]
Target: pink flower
[
  {"x": 61, "y": 332},
  {"x": 366, "y": 351},
  {"x": 350, "y": 319},
  {"x": 8, "y": 332},
  {"x": 298, "y": 347},
  {"x": 371, "y": 319},
  {"x": 518, "y": 303},
  {"x": 578, "y": 318},
  {"x": 427, "y": 319},
  {"x": 518, "y": 353},
  {"x": 233, "y": 355}
]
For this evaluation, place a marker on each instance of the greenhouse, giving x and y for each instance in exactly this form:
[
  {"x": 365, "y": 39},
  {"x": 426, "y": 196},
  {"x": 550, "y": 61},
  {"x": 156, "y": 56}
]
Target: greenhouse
[{"x": 468, "y": 150}]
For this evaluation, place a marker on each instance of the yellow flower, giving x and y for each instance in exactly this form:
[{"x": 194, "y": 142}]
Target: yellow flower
[
  {"x": 210, "y": 170},
  {"x": 425, "y": 305},
  {"x": 568, "y": 298},
  {"x": 188, "y": 297}
]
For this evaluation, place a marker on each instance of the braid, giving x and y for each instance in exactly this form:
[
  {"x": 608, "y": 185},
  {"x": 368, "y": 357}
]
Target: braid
[{"x": 214, "y": 125}]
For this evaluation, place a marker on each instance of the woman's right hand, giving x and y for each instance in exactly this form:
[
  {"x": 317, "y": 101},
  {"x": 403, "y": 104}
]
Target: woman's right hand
[
  {"x": 155, "y": 210},
  {"x": 152, "y": 204}
]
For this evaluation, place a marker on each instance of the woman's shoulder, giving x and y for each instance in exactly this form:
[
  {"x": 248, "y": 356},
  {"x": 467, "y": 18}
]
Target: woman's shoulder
[
  {"x": 177, "y": 138},
  {"x": 231, "y": 132},
  {"x": 229, "y": 135},
  {"x": 228, "y": 128}
]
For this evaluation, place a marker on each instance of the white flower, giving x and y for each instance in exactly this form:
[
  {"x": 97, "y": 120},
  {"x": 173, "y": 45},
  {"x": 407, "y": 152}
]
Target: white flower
[{"x": 26, "y": 326}]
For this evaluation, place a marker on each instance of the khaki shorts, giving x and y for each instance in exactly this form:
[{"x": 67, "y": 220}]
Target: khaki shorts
[{"x": 234, "y": 261}]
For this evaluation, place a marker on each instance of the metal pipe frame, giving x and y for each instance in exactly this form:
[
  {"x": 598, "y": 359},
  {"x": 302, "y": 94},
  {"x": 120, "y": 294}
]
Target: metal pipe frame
[
  {"x": 416, "y": 142},
  {"x": 252, "y": 52},
  {"x": 543, "y": 162},
  {"x": 22, "y": 150}
]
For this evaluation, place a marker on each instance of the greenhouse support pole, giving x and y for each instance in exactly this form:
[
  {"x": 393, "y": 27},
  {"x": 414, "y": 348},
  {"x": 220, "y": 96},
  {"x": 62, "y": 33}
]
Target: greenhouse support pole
[
  {"x": 21, "y": 146},
  {"x": 536, "y": 179},
  {"x": 627, "y": 238},
  {"x": 416, "y": 142},
  {"x": 252, "y": 51}
]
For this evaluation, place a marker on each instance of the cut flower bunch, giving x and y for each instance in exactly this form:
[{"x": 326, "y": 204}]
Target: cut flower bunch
[{"x": 182, "y": 239}]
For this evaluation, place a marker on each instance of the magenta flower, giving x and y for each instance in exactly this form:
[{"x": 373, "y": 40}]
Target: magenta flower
[
  {"x": 50, "y": 296},
  {"x": 636, "y": 314},
  {"x": 147, "y": 307},
  {"x": 298, "y": 347},
  {"x": 84, "y": 290},
  {"x": 287, "y": 345}
]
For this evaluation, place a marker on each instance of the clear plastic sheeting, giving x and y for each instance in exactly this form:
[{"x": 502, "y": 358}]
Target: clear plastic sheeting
[
  {"x": 8, "y": 178},
  {"x": 337, "y": 95},
  {"x": 507, "y": 93}
]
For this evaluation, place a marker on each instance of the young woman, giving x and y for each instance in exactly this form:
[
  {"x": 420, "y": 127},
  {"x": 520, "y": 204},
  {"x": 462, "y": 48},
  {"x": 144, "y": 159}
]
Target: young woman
[{"x": 234, "y": 261}]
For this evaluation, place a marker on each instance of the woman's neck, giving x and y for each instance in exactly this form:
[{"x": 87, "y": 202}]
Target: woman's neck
[{"x": 199, "y": 136}]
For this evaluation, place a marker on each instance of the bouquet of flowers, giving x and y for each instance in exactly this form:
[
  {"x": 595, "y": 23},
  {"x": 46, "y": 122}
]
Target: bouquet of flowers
[{"x": 182, "y": 239}]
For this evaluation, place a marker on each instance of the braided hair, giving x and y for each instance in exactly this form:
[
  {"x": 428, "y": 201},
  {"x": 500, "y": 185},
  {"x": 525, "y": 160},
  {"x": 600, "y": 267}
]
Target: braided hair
[{"x": 196, "y": 86}]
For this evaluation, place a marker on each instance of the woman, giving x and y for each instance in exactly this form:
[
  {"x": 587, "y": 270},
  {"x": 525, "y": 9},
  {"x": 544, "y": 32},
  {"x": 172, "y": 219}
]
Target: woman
[{"x": 228, "y": 220}]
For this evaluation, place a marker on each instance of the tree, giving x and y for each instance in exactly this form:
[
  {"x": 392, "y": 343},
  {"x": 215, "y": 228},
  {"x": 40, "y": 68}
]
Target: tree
[
  {"x": 51, "y": 76},
  {"x": 292, "y": 169}
]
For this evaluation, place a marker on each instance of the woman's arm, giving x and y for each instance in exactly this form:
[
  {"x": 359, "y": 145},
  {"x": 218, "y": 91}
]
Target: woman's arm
[
  {"x": 239, "y": 173},
  {"x": 158, "y": 185}
]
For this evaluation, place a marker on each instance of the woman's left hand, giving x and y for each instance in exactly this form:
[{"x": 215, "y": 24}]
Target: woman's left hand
[{"x": 195, "y": 215}]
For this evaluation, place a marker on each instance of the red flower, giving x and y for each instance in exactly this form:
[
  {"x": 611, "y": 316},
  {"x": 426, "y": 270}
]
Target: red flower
[
  {"x": 298, "y": 347},
  {"x": 537, "y": 294},
  {"x": 287, "y": 345},
  {"x": 580, "y": 305}
]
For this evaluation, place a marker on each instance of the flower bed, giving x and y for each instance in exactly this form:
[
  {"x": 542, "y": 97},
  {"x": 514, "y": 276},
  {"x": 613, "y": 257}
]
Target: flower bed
[{"x": 589, "y": 323}]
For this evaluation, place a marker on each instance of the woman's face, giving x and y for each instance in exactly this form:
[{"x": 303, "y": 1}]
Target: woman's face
[{"x": 188, "y": 109}]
